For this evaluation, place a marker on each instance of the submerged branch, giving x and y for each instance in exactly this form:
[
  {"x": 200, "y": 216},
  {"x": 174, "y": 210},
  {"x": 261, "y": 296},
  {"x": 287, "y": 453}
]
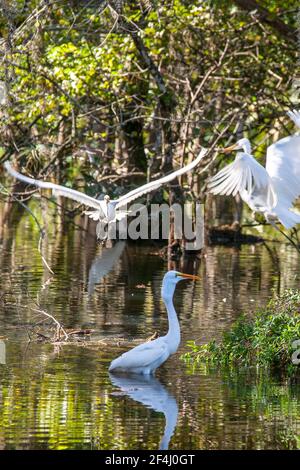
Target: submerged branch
[{"x": 59, "y": 326}]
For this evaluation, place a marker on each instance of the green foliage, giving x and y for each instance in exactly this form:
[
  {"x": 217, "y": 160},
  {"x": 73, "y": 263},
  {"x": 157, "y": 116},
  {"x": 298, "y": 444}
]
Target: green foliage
[
  {"x": 68, "y": 60},
  {"x": 264, "y": 340},
  {"x": 75, "y": 71}
]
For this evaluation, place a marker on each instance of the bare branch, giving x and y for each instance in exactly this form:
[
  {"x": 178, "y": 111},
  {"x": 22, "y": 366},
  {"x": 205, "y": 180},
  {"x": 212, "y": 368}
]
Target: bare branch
[{"x": 267, "y": 17}]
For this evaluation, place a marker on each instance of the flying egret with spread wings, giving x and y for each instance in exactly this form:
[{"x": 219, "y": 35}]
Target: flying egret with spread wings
[
  {"x": 106, "y": 210},
  {"x": 272, "y": 190},
  {"x": 147, "y": 357}
]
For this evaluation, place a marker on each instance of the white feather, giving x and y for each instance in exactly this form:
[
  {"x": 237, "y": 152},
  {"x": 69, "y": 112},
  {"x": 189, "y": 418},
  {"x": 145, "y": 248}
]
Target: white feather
[
  {"x": 153, "y": 353},
  {"x": 57, "y": 189},
  {"x": 244, "y": 176},
  {"x": 271, "y": 190},
  {"x": 105, "y": 210},
  {"x": 295, "y": 116}
]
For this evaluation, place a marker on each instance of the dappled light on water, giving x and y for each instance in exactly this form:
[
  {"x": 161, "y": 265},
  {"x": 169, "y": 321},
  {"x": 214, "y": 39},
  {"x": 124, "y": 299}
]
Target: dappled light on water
[{"x": 60, "y": 396}]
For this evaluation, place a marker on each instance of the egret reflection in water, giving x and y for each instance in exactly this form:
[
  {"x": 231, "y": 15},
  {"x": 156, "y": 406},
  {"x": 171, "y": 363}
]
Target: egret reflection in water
[
  {"x": 103, "y": 264},
  {"x": 149, "y": 391}
]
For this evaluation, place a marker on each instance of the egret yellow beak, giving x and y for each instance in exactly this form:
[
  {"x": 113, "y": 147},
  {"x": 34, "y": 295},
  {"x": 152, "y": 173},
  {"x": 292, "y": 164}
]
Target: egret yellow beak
[
  {"x": 230, "y": 149},
  {"x": 189, "y": 276}
]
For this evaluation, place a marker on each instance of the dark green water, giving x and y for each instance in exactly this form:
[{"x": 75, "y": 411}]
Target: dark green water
[{"x": 62, "y": 397}]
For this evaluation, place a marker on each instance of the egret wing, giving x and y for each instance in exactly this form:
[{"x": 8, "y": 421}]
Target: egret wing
[
  {"x": 140, "y": 356},
  {"x": 94, "y": 215},
  {"x": 156, "y": 184},
  {"x": 58, "y": 190},
  {"x": 242, "y": 176},
  {"x": 283, "y": 165},
  {"x": 294, "y": 115}
]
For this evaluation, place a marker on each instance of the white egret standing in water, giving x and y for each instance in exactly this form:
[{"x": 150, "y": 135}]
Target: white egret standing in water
[
  {"x": 271, "y": 190},
  {"x": 147, "y": 357},
  {"x": 106, "y": 210}
]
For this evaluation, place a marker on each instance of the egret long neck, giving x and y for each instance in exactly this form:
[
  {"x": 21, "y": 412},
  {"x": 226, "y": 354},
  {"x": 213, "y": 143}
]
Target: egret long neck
[
  {"x": 247, "y": 147},
  {"x": 173, "y": 335}
]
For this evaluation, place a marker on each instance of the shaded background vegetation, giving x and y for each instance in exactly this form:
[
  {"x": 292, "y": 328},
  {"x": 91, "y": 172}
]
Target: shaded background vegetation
[
  {"x": 59, "y": 396},
  {"x": 102, "y": 95},
  {"x": 131, "y": 89}
]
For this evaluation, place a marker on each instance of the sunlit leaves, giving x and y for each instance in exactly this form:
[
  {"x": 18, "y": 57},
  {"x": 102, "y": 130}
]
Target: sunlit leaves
[{"x": 82, "y": 62}]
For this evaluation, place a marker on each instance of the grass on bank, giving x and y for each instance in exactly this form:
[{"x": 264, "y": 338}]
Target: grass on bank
[{"x": 265, "y": 340}]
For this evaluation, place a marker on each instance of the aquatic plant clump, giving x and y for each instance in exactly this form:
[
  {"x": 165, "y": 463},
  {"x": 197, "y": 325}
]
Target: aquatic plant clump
[{"x": 265, "y": 340}]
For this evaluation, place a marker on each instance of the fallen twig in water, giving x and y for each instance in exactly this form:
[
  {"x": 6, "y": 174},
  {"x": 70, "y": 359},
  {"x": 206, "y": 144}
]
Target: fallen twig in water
[
  {"x": 59, "y": 328},
  {"x": 63, "y": 336}
]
